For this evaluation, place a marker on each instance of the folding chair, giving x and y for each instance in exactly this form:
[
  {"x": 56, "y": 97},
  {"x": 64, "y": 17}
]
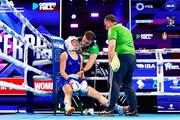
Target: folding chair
[{"x": 59, "y": 101}]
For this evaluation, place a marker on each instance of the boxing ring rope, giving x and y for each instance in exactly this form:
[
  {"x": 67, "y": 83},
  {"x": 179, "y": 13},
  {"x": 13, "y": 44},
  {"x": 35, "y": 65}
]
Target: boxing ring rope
[
  {"x": 141, "y": 60},
  {"x": 40, "y": 77},
  {"x": 163, "y": 51},
  {"x": 147, "y": 94},
  {"x": 142, "y": 93},
  {"x": 23, "y": 65},
  {"x": 160, "y": 73},
  {"x": 26, "y": 22},
  {"x": 41, "y": 62},
  {"x": 26, "y": 67},
  {"x": 139, "y": 78},
  {"x": 18, "y": 63},
  {"x": 21, "y": 39},
  {"x": 23, "y": 87},
  {"x": 148, "y": 51},
  {"x": 44, "y": 75},
  {"x": 26, "y": 46}
]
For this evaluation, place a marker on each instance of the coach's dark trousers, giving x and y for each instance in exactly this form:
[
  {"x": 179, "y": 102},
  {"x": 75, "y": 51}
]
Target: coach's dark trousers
[{"x": 123, "y": 78}]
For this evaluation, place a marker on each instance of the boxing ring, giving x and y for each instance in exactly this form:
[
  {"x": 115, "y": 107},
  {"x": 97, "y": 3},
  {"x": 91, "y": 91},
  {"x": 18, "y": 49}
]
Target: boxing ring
[
  {"x": 57, "y": 46},
  {"x": 27, "y": 45},
  {"x": 160, "y": 70}
]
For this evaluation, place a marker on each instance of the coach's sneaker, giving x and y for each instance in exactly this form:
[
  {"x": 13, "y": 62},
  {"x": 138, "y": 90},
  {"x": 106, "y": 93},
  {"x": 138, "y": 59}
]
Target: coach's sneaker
[
  {"x": 85, "y": 111},
  {"x": 88, "y": 111},
  {"x": 133, "y": 113},
  {"x": 91, "y": 111},
  {"x": 119, "y": 109},
  {"x": 106, "y": 112}
]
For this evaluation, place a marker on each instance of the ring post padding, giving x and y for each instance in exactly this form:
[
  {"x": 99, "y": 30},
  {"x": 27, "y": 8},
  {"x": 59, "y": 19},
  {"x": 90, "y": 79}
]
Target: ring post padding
[{"x": 57, "y": 49}]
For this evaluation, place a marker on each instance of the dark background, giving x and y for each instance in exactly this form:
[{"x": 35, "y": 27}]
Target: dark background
[{"x": 83, "y": 8}]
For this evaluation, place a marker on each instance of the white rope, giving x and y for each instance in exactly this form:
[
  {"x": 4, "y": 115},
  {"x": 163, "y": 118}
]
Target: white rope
[
  {"x": 40, "y": 77},
  {"x": 139, "y": 78},
  {"x": 142, "y": 60},
  {"x": 27, "y": 44},
  {"x": 26, "y": 22},
  {"x": 25, "y": 66},
  {"x": 145, "y": 78},
  {"x": 41, "y": 62},
  {"x": 22, "y": 87},
  {"x": 41, "y": 46},
  {"x": 155, "y": 60},
  {"x": 147, "y": 94},
  {"x": 96, "y": 78},
  {"x": 164, "y": 51},
  {"x": 155, "y": 78},
  {"x": 21, "y": 39},
  {"x": 149, "y": 51}
]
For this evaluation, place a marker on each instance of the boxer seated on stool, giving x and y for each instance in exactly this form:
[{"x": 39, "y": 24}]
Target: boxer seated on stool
[{"x": 70, "y": 64}]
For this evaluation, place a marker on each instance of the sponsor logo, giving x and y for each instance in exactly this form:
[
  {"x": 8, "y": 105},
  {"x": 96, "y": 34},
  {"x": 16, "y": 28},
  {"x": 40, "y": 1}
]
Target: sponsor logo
[
  {"x": 45, "y": 85},
  {"x": 144, "y": 21},
  {"x": 175, "y": 86},
  {"x": 170, "y": 66},
  {"x": 144, "y": 36},
  {"x": 146, "y": 66},
  {"x": 171, "y": 107},
  {"x": 164, "y": 36},
  {"x": 58, "y": 76},
  {"x": 141, "y": 6},
  {"x": 58, "y": 45},
  {"x": 160, "y": 107},
  {"x": 154, "y": 84},
  {"x": 69, "y": 63},
  {"x": 44, "y": 6},
  {"x": 4, "y": 9},
  {"x": 170, "y": 5},
  {"x": 140, "y": 84},
  {"x": 170, "y": 21},
  {"x": 175, "y": 82}
]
